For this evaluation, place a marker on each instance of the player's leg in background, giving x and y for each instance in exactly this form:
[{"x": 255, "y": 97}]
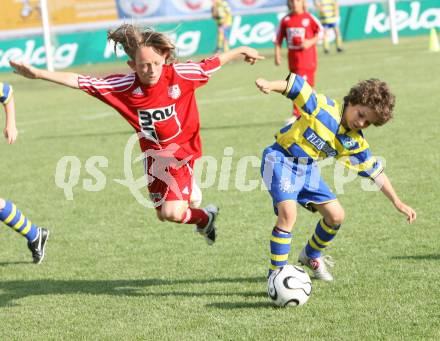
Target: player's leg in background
[
  {"x": 338, "y": 38},
  {"x": 15, "y": 219},
  {"x": 226, "y": 34},
  {"x": 325, "y": 42},
  {"x": 220, "y": 38}
]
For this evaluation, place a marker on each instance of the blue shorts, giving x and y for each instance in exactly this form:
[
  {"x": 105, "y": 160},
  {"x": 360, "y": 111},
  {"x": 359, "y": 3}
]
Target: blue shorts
[
  {"x": 332, "y": 25},
  {"x": 290, "y": 178}
]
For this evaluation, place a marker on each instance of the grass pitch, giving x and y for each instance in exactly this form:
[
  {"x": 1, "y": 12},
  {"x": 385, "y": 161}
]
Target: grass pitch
[{"x": 112, "y": 271}]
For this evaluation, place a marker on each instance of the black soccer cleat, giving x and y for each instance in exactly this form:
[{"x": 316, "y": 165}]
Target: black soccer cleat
[
  {"x": 38, "y": 246},
  {"x": 210, "y": 230}
]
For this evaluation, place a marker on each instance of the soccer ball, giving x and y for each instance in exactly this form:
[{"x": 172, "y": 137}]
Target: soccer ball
[{"x": 289, "y": 286}]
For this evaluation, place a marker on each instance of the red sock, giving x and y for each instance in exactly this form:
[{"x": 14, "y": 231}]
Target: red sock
[{"x": 195, "y": 216}]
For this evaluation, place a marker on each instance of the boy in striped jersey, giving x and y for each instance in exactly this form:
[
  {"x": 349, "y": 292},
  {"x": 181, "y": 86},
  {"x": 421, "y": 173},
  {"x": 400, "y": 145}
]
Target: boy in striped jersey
[
  {"x": 158, "y": 101},
  {"x": 326, "y": 128},
  {"x": 9, "y": 213},
  {"x": 221, "y": 13},
  {"x": 329, "y": 15}
]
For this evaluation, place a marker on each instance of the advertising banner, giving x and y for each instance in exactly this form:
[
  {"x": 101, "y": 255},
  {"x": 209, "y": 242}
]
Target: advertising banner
[
  {"x": 199, "y": 37},
  {"x": 140, "y": 9},
  {"x": 25, "y": 14},
  {"x": 372, "y": 21}
]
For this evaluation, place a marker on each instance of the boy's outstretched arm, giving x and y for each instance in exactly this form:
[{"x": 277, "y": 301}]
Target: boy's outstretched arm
[
  {"x": 69, "y": 79},
  {"x": 385, "y": 186},
  {"x": 251, "y": 55},
  {"x": 266, "y": 86},
  {"x": 10, "y": 130}
]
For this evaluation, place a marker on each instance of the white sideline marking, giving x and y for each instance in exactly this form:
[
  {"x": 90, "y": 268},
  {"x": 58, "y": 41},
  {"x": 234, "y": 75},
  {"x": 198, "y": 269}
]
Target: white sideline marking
[
  {"x": 96, "y": 116},
  {"x": 231, "y": 99}
]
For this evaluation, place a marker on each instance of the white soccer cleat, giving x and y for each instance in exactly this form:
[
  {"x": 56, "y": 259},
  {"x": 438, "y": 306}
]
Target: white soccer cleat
[{"x": 317, "y": 265}]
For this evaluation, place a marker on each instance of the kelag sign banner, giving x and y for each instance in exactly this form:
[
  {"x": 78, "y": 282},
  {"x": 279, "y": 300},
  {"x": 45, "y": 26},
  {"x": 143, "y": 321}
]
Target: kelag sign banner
[
  {"x": 140, "y": 9},
  {"x": 199, "y": 37}
]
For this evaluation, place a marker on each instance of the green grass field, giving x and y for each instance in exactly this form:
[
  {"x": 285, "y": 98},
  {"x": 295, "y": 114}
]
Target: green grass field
[{"x": 113, "y": 272}]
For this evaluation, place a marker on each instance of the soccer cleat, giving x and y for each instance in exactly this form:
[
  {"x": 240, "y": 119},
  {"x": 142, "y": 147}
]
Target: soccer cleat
[
  {"x": 209, "y": 231},
  {"x": 38, "y": 246},
  {"x": 339, "y": 49},
  {"x": 317, "y": 265}
]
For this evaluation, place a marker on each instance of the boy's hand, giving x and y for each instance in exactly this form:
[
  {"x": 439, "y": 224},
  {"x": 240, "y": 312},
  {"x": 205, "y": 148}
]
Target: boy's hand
[
  {"x": 251, "y": 55},
  {"x": 263, "y": 85},
  {"x": 10, "y": 133},
  {"x": 24, "y": 69},
  {"x": 408, "y": 211}
]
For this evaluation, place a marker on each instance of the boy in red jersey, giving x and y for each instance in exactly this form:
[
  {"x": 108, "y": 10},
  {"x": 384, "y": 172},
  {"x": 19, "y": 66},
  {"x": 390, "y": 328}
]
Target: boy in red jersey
[
  {"x": 300, "y": 29},
  {"x": 158, "y": 101}
]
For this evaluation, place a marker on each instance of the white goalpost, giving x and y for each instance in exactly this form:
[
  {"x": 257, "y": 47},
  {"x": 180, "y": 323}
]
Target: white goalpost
[
  {"x": 393, "y": 26},
  {"x": 46, "y": 34}
]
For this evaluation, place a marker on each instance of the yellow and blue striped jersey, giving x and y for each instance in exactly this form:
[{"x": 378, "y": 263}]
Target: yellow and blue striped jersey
[
  {"x": 5, "y": 92},
  {"x": 318, "y": 133},
  {"x": 224, "y": 15},
  {"x": 327, "y": 13}
]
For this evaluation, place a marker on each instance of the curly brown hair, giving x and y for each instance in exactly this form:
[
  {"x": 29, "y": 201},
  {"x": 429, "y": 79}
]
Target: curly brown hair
[
  {"x": 374, "y": 94},
  {"x": 132, "y": 37}
]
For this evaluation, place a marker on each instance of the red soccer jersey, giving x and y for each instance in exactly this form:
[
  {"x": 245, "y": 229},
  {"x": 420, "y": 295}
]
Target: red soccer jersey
[
  {"x": 164, "y": 113},
  {"x": 295, "y": 28}
]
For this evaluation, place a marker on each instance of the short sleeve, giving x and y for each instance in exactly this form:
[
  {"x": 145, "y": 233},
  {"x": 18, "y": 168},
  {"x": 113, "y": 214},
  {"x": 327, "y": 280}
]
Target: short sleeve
[
  {"x": 5, "y": 93},
  {"x": 315, "y": 25},
  {"x": 198, "y": 73},
  {"x": 281, "y": 33},
  {"x": 365, "y": 164},
  {"x": 301, "y": 93}
]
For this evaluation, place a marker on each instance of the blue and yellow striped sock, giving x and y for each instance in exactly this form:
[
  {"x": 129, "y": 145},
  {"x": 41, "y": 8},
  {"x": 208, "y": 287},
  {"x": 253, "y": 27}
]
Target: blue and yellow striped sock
[
  {"x": 12, "y": 217},
  {"x": 279, "y": 249},
  {"x": 323, "y": 236}
]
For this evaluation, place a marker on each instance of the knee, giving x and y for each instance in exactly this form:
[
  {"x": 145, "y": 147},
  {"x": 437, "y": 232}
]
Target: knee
[
  {"x": 286, "y": 221},
  {"x": 159, "y": 215},
  {"x": 335, "y": 218},
  {"x": 171, "y": 215}
]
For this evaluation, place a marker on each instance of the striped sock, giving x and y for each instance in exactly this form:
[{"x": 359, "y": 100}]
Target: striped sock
[
  {"x": 16, "y": 220},
  {"x": 322, "y": 237},
  {"x": 279, "y": 249}
]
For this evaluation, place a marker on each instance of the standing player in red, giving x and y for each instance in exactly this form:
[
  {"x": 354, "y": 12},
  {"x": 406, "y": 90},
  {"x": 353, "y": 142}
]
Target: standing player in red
[
  {"x": 300, "y": 29},
  {"x": 158, "y": 101}
]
